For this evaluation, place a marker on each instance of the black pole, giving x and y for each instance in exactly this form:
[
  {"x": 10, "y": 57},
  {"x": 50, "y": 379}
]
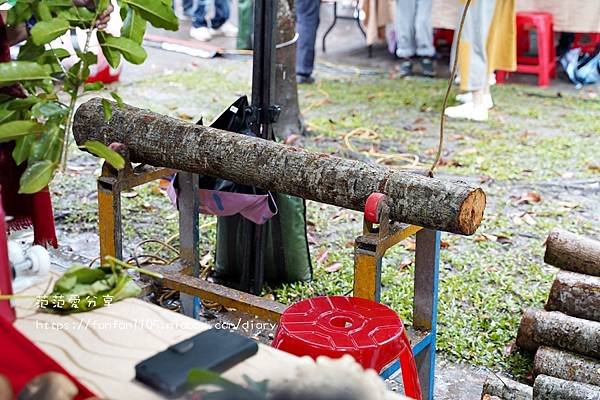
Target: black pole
[{"x": 263, "y": 113}]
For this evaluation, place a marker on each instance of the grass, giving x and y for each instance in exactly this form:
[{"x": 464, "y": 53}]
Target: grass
[{"x": 533, "y": 140}]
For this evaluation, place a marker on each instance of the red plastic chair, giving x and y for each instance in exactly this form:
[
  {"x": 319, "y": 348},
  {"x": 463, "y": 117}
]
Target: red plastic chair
[
  {"x": 540, "y": 60},
  {"x": 6, "y": 309},
  {"x": 336, "y": 325}
]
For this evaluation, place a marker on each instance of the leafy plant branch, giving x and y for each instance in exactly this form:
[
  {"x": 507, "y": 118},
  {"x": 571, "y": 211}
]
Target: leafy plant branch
[{"x": 40, "y": 121}]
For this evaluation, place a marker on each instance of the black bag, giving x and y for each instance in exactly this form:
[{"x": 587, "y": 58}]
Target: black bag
[{"x": 283, "y": 255}]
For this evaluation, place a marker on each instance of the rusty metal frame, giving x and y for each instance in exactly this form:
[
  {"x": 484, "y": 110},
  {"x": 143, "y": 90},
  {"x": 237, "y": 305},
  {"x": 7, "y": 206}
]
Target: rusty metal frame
[{"x": 369, "y": 250}]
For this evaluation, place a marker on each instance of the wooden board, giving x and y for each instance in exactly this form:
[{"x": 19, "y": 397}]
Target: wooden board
[{"x": 102, "y": 347}]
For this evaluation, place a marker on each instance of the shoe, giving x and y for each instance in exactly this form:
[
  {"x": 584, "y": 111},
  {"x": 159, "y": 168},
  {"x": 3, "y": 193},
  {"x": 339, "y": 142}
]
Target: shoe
[
  {"x": 202, "y": 34},
  {"x": 467, "y": 97},
  {"x": 405, "y": 67},
  {"x": 227, "y": 29},
  {"x": 304, "y": 80},
  {"x": 467, "y": 111},
  {"x": 428, "y": 67}
]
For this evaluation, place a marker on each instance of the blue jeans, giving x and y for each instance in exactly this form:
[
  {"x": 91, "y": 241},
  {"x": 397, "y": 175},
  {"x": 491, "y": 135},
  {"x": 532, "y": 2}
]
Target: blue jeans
[
  {"x": 221, "y": 14},
  {"x": 188, "y": 7},
  {"x": 307, "y": 22}
]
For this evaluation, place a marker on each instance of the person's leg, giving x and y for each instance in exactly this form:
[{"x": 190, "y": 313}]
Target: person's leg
[
  {"x": 188, "y": 7},
  {"x": 424, "y": 37},
  {"x": 307, "y": 22},
  {"x": 424, "y": 29},
  {"x": 199, "y": 17},
  {"x": 222, "y": 12},
  {"x": 405, "y": 28},
  {"x": 472, "y": 61}
]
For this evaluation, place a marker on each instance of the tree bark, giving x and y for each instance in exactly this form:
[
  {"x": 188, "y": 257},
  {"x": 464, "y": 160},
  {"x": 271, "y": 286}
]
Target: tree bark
[
  {"x": 550, "y": 388},
  {"x": 566, "y": 365},
  {"x": 555, "y": 329},
  {"x": 506, "y": 389},
  {"x": 166, "y": 142},
  {"x": 286, "y": 89},
  {"x": 576, "y": 295},
  {"x": 572, "y": 252}
]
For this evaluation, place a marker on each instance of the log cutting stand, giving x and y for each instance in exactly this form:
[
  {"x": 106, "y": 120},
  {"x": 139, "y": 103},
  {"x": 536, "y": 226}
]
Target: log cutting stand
[{"x": 379, "y": 232}]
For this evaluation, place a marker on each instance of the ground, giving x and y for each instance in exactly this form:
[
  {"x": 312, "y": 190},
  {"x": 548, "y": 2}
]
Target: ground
[{"x": 536, "y": 158}]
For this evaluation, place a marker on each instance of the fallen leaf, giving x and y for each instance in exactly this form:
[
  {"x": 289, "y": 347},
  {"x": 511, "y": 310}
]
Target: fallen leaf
[
  {"x": 485, "y": 178},
  {"x": 431, "y": 151},
  {"x": 529, "y": 197},
  {"x": 528, "y": 219},
  {"x": 321, "y": 258},
  {"x": 269, "y": 296},
  {"x": 410, "y": 244},
  {"x": 183, "y": 115},
  {"x": 444, "y": 244},
  {"x": 594, "y": 167},
  {"x": 443, "y": 162},
  {"x": 333, "y": 267},
  {"x": 405, "y": 263},
  {"x": 567, "y": 204},
  {"x": 503, "y": 239},
  {"x": 292, "y": 139},
  {"x": 311, "y": 239},
  {"x": 130, "y": 194},
  {"x": 470, "y": 150}
]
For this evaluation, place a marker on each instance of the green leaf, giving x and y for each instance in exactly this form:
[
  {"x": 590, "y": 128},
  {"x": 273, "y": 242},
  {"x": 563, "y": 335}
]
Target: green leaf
[
  {"x": 90, "y": 87},
  {"x": 46, "y": 31},
  {"x": 131, "y": 51},
  {"x": 36, "y": 176},
  {"x": 30, "y": 51},
  {"x": 42, "y": 12},
  {"x": 118, "y": 99},
  {"x": 156, "y": 12},
  {"x": 23, "y": 104},
  {"x": 112, "y": 56},
  {"x": 21, "y": 71},
  {"x": 6, "y": 115},
  {"x": 51, "y": 56},
  {"x": 134, "y": 26},
  {"x": 50, "y": 110},
  {"x": 103, "y": 151},
  {"x": 22, "y": 149},
  {"x": 19, "y": 14},
  {"x": 107, "y": 109},
  {"x": 15, "y": 129}
]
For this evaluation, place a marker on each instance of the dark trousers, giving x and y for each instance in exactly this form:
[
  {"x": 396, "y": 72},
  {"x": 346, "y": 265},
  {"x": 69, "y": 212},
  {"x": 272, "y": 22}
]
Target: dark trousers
[
  {"x": 307, "y": 22},
  {"x": 221, "y": 14}
]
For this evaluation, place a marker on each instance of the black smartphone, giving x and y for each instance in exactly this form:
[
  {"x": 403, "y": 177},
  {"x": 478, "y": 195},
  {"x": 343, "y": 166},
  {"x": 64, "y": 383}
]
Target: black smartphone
[{"x": 216, "y": 350}]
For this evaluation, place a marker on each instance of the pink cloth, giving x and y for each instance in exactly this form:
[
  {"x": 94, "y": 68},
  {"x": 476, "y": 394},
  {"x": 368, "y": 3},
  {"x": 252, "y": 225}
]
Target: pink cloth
[{"x": 254, "y": 207}]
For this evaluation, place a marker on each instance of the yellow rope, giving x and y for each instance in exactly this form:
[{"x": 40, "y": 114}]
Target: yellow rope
[{"x": 399, "y": 161}]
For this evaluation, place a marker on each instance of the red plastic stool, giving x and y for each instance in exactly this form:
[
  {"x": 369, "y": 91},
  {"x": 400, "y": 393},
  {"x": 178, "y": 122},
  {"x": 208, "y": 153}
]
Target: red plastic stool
[
  {"x": 587, "y": 42},
  {"x": 543, "y": 63},
  {"x": 333, "y": 326}
]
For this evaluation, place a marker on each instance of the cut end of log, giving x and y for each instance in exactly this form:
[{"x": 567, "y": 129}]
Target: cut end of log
[{"x": 471, "y": 211}]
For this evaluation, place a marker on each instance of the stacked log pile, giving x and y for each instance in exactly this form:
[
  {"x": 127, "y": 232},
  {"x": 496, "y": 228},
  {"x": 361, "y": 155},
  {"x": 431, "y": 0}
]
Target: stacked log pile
[{"x": 566, "y": 335}]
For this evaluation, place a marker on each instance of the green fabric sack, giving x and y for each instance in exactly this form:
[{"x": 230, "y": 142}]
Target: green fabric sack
[{"x": 285, "y": 249}]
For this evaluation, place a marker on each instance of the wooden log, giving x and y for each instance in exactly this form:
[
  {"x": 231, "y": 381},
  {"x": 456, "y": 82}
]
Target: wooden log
[
  {"x": 574, "y": 294},
  {"x": 572, "y": 252},
  {"x": 555, "y": 329},
  {"x": 550, "y": 388},
  {"x": 505, "y": 389},
  {"x": 162, "y": 141},
  {"x": 566, "y": 365}
]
